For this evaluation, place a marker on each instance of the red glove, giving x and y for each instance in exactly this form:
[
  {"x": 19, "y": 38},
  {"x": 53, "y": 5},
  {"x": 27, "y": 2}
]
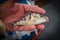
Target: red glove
[{"x": 13, "y": 14}]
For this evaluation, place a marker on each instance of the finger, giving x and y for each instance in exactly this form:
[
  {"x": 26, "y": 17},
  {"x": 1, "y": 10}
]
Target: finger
[
  {"x": 30, "y": 8},
  {"x": 15, "y": 28},
  {"x": 24, "y": 28},
  {"x": 47, "y": 19},
  {"x": 40, "y": 27},
  {"x": 27, "y": 28}
]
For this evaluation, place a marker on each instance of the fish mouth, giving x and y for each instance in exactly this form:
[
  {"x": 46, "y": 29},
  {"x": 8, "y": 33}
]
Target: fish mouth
[{"x": 31, "y": 18}]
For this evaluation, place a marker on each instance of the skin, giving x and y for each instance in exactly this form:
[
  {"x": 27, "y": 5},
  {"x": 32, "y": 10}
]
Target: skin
[{"x": 9, "y": 4}]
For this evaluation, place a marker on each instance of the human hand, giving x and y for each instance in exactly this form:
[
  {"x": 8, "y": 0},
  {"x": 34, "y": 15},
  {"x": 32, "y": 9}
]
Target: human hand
[
  {"x": 26, "y": 8},
  {"x": 32, "y": 27}
]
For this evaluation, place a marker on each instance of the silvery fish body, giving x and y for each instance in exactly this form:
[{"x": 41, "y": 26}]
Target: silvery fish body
[{"x": 31, "y": 18}]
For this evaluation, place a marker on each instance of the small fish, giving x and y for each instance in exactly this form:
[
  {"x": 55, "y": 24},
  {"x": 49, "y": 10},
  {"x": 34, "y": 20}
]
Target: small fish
[{"x": 31, "y": 18}]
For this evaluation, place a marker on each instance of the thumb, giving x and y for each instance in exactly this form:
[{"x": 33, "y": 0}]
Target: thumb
[{"x": 40, "y": 26}]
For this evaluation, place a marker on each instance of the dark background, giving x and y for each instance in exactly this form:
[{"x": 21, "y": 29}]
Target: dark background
[{"x": 52, "y": 30}]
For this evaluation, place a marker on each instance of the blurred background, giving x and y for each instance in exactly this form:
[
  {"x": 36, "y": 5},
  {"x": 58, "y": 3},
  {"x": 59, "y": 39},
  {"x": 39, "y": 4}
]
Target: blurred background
[{"x": 52, "y": 30}]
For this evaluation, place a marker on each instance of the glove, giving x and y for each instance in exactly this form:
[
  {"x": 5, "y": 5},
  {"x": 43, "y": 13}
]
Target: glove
[{"x": 13, "y": 14}]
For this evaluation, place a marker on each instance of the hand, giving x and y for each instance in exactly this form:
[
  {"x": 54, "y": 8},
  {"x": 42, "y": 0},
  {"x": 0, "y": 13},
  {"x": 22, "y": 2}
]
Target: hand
[
  {"x": 27, "y": 8},
  {"x": 33, "y": 9}
]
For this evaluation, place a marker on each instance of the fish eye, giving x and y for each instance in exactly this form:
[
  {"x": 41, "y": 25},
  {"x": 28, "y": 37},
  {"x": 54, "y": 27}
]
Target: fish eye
[
  {"x": 2, "y": 1},
  {"x": 41, "y": 16}
]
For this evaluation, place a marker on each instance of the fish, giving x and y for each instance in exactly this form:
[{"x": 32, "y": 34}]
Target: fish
[{"x": 31, "y": 18}]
